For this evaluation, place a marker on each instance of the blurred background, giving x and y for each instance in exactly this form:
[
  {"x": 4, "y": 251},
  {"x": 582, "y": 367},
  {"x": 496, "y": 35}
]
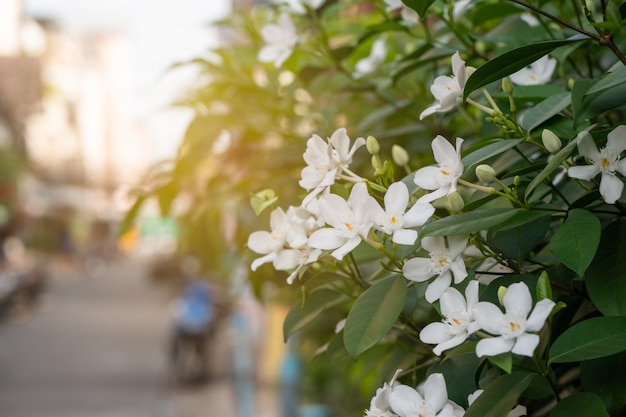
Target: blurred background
[{"x": 88, "y": 303}]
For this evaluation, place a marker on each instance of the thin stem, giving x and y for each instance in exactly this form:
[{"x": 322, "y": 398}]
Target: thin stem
[{"x": 479, "y": 106}]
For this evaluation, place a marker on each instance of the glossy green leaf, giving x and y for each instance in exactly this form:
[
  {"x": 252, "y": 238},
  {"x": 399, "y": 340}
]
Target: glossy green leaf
[
  {"x": 503, "y": 361},
  {"x": 575, "y": 243},
  {"x": 490, "y": 11},
  {"x": 545, "y": 110},
  {"x": 590, "y": 339},
  {"x": 420, "y": 6},
  {"x": 586, "y": 105},
  {"x": 373, "y": 314},
  {"x": 580, "y": 404},
  {"x": 544, "y": 289},
  {"x": 553, "y": 164},
  {"x": 605, "y": 377},
  {"x": 512, "y": 61},
  {"x": 518, "y": 242},
  {"x": 606, "y": 276},
  {"x": 470, "y": 222},
  {"x": 612, "y": 79},
  {"x": 500, "y": 396},
  {"x": 304, "y": 312}
]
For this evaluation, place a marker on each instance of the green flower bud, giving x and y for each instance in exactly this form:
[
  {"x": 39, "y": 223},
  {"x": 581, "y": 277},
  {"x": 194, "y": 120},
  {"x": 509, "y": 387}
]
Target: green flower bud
[
  {"x": 372, "y": 145},
  {"x": 376, "y": 163},
  {"x": 455, "y": 203},
  {"x": 507, "y": 86},
  {"x": 501, "y": 292},
  {"x": 550, "y": 141},
  {"x": 517, "y": 181},
  {"x": 570, "y": 83},
  {"x": 399, "y": 155},
  {"x": 485, "y": 173}
]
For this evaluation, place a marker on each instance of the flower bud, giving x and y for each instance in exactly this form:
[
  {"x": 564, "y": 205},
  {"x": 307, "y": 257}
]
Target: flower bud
[
  {"x": 517, "y": 181},
  {"x": 455, "y": 203},
  {"x": 501, "y": 292},
  {"x": 485, "y": 173},
  {"x": 399, "y": 155},
  {"x": 376, "y": 163},
  {"x": 570, "y": 84},
  {"x": 507, "y": 86},
  {"x": 372, "y": 145},
  {"x": 550, "y": 141}
]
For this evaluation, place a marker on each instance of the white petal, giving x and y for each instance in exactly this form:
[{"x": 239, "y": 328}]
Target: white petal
[
  {"x": 517, "y": 299},
  {"x": 488, "y": 316},
  {"x": 451, "y": 301},
  {"x": 438, "y": 286},
  {"x": 419, "y": 214},
  {"x": 404, "y": 236},
  {"x": 435, "y": 333},
  {"x": 518, "y": 411},
  {"x": 583, "y": 172},
  {"x": 262, "y": 260},
  {"x": 458, "y": 69},
  {"x": 416, "y": 269},
  {"x": 525, "y": 344},
  {"x": 539, "y": 315},
  {"x": 397, "y": 197},
  {"x": 457, "y": 267},
  {"x": 405, "y": 401},
  {"x": 430, "y": 110},
  {"x": 443, "y": 151},
  {"x": 494, "y": 346},
  {"x": 434, "y": 244},
  {"x": 611, "y": 187},
  {"x": 427, "y": 178},
  {"x": 450, "y": 343},
  {"x": 435, "y": 392},
  {"x": 261, "y": 242},
  {"x": 327, "y": 238},
  {"x": 457, "y": 245},
  {"x": 471, "y": 294},
  {"x": 616, "y": 139},
  {"x": 346, "y": 248},
  {"x": 587, "y": 147}
]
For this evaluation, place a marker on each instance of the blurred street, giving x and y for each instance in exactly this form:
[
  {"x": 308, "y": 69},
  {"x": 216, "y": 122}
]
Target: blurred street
[{"x": 95, "y": 346}]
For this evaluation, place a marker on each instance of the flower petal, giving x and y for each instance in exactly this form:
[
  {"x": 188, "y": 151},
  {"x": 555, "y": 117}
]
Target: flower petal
[
  {"x": 430, "y": 110},
  {"x": 404, "y": 236},
  {"x": 443, "y": 151},
  {"x": 525, "y": 344},
  {"x": 583, "y": 172},
  {"x": 434, "y": 244},
  {"x": 419, "y": 214},
  {"x": 346, "y": 248},
  {"x": 450, "y": 343},
  {"x": 427, "y": 178},
  {"x": 539, "y": 315},
  {"x": 517, "y": 299},
  {"x": 494, "y": 346},
  {"x": 416, "y": 269},
  {"x": 611, "y": 187},
  {"x": 438, "y": 286},
  {"x": 451, "y": 301},
  {"x": 397, "y": 197},
  {"x": 326, "y": 238},
  {"x": 616, "y": 139},
  {"x": 587, "y": 147},
  {"x": 435, "y": 333},
  {"x": 457, "y": 267},
  {"x": 405, "y": 401},
  {"x": 488, "y": 316},
  {"x": 435, "y": 392}
]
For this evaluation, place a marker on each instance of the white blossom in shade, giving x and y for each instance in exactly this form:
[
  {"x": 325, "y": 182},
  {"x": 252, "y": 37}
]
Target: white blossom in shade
[
  {"x": 444, "y": 263},
  {"x": 605, "y": 161},
  {"x": 370, "y": 63},
  {"x": 443, "y": 177},
  {"x": 349, "y": 221},
  {"x": 518, "y": 411},
  {"x": 430, "y": 399},
  {"x": 280, "y": 39},
  {"x": 448, "y": 90},
  {"x": 459, "y": 321},
  {"x": 514, "y": 329},
  {"x": 379, "y": 405},
  {"x": 408, "y": 15},
  {"x": 537, "y": 73},
  {"x": 326, "y": 160},
  {"x": 395, "y": 220}
]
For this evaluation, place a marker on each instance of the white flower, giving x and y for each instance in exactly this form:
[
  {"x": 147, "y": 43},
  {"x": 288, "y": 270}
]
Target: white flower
[
  {"x": 286, "y": 246},
  {"x": 430, "y": 399},
  {"x": 515, "y": 328},
  {"x": 280, "y": 39},
  {"x": 459, "y": 8},
  {"x": 409, "y": 16},
  {"x": 443, "y": 263},
  {"x": 326, "y": 161},
  {"x": 459, "y": 322},
  {"x": 379, "y": 405},
  {"x": 370, "y": 63},
  {"x": 530, "y": 19},
  {"x": 447, "y": 90},
  {"x": 349, "y": 221},
  {"x": 518, "y": 411},
  {"x": 537, "y": 73},
  {"x": 394, "y": 221},
  {"x": 606, "y": 161},
  {"x": 441, "y": 178}
]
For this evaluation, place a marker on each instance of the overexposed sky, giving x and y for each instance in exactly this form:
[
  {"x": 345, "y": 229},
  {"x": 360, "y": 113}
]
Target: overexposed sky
[{"x": 161, "y": 33}]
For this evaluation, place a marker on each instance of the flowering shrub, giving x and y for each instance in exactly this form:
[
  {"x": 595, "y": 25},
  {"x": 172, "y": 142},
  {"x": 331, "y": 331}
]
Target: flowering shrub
[{"x": 450, "y": 180}]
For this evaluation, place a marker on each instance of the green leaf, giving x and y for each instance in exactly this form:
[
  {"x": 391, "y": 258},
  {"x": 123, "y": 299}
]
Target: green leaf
[
  {"x": 590, "y": 339},
  {"x": 606, "y": 277},
  {"x": 262, "y": 200},
  {"x": 303, "y": 313},
  {"x": 503, "y": 361},
  {"x": 373, "y": 314},
  {"x": 491, "y": 11},
  {"x": 575, "y": 243},
  {"x": 579, "y": 404},
  {"x": 500, "y": 396},
  {"x": 545, "y": 110},
  {"x": 512, "y": 61},
  {"x": 470, "y": 222},
  {"x": 518, "y": 242},
  {"x": 544, "y": 289},
  {"x": 131, "y": 215},
  {"x": 605, "y": 377},
  {"x": 586, "y": 105},
  {"x": 610, "y": 80},
  {"x": 554, "y": 163},
  {"x": 420, "y": 6},
  {"x": 499, "y": 146}
]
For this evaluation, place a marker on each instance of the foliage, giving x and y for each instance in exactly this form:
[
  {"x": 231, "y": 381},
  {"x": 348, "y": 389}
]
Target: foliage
[{"x": 529, "y": 202}]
